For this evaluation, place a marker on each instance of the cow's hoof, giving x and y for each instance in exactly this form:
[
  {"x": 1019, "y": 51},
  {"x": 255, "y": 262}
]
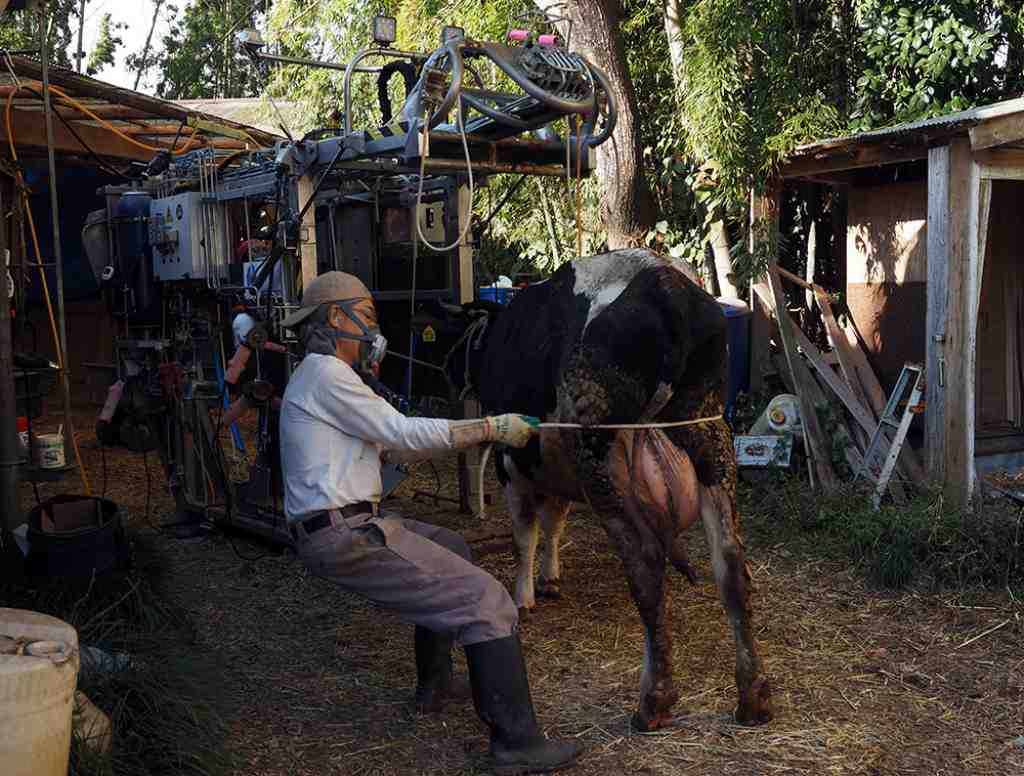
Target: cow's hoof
[
  {"x": 755, "y": 706},
  {"x": 644, "y": 723},
  {"x": 549, "y": 588}
]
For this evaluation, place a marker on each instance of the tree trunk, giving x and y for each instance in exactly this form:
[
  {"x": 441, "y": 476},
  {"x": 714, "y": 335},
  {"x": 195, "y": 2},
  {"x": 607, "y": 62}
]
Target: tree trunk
[
  {"x": 80, "y": 54},
  {"x": 627, "y": 205},
  {"x": 145, "y": 49},
  {"x": 718, "y": 236},
  {"x": 674, "y": 33}
]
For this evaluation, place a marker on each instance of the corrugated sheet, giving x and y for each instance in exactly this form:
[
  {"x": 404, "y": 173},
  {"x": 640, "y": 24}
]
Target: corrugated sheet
[{"x": 948, "y": 122}]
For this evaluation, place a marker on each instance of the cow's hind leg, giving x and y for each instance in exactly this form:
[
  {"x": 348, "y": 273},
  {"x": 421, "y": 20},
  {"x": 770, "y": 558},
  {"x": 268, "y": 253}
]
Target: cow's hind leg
[
  {"x": 522, "y": 505},
  {"x": 553, "y": 512},
  {"x": 717, "y": 510},
  {"x": 643, "y": 560}
]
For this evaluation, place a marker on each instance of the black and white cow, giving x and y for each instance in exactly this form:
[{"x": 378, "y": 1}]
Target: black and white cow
[{"x": 623, "y": 338}]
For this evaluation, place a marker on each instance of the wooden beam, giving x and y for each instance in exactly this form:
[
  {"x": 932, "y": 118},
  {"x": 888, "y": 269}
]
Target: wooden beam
[
  {"x": 307, "y": 233},
  {"x": 816, "y": 442},
  {"x": 851, "y": 158},
  {"x": 29, "y": 132},
  {"x": 959, "y": 345},
  {"x": 79, "y": 86},
  {"x": 998, "y": 131},
  {"x": 935, "y": 331}
]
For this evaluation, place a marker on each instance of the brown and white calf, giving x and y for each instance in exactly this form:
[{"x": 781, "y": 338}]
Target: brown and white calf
[{"x": 623, "y": 338}]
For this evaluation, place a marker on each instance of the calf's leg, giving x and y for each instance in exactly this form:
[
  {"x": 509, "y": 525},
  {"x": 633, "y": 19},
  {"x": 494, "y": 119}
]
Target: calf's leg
[{"x": 718, "y": 512}]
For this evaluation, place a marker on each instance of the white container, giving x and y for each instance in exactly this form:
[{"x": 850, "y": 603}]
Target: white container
[
  {"x": 36, "y": 693},
  {"x": 784, "y": 413},
  {"x": 49, "y": 450}
]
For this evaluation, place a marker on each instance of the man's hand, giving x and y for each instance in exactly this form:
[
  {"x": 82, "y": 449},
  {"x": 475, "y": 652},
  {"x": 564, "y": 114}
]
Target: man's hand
[{"x": 512, "y": 430}]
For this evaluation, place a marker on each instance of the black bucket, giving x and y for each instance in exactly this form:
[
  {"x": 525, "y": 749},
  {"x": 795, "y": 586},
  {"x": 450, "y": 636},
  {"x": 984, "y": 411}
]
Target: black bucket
[{"x": 75, "y": 536}]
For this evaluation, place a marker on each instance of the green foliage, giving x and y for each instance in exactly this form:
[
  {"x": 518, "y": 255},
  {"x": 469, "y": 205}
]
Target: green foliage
[
  {"x": 199, "y": 60},
  {"x": 107, "y": 44},
  {"x": 923, "y": 58},
  {"x": 921, "y": 542},
  {"x": 20, "y": 30}
]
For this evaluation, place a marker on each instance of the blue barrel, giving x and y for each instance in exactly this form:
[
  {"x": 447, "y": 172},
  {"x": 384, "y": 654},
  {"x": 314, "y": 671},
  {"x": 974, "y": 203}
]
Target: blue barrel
[{"x": 737, "y": 315}]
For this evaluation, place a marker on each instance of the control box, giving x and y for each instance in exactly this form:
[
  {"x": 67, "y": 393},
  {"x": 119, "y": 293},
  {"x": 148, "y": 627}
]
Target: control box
[{"x": 176, "y": 235}]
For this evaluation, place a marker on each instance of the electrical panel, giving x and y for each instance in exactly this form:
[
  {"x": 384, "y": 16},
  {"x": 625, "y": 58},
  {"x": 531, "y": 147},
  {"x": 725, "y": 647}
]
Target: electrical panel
[{"x": 176, "y": 229}]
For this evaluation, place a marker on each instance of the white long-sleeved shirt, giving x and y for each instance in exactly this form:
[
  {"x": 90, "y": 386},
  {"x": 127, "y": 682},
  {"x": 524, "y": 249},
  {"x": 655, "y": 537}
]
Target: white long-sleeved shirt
[{"x": 333, "y": 430}]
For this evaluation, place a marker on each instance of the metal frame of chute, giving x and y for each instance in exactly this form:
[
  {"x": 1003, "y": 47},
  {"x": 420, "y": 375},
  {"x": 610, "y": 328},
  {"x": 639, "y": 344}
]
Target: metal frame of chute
[{"x": 351, "y": 153}]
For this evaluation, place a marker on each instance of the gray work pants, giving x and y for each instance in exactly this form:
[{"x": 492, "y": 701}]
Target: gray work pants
[{"x": 421, "y": 572}]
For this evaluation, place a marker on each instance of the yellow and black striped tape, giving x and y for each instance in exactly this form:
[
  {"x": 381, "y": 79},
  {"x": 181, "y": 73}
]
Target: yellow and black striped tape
[{"x": 388, "y": 130}]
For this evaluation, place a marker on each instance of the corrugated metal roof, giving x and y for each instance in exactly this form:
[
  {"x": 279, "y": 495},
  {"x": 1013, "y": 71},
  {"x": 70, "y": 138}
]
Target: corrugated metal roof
[
  {"x": 152, "y": 122},
  {"x": 247, "y": 110},
  {"x": 947, "y": 123}
]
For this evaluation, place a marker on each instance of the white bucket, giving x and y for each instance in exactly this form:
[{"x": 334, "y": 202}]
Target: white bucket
[{"x": 49, "y": 450}]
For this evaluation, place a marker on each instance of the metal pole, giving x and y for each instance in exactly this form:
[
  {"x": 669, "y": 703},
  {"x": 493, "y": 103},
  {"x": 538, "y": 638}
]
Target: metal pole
[
  {"x": 10, "y": 506},
  {"x": 57, "y": 253}
]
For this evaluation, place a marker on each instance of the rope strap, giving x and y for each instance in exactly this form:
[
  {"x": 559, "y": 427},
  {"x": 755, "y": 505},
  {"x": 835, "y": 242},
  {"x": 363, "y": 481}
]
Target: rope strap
[{"x": 604, "y": 426}]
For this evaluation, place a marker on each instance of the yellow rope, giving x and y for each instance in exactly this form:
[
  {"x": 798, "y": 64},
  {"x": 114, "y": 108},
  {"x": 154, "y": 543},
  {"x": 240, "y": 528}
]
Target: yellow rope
[{"x": 42, "y": 275}]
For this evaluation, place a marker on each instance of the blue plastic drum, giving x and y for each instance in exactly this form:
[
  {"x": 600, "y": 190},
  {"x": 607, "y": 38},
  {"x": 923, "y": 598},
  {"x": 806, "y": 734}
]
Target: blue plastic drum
[{"x": 737, "y": 314}]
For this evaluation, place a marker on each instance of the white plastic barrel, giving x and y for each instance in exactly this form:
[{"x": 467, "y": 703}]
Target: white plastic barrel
[{"x": 37, "y": 689}]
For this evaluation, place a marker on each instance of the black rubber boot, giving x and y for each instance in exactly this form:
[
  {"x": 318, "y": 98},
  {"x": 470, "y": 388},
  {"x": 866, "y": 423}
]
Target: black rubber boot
[
  {"x": 435, "y": 683},
  {"x": 501, "y": 694}
]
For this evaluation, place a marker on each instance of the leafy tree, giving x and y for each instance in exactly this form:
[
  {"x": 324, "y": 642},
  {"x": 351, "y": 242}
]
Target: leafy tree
[
  {"x": 198, "y": 59},
  {"x": 107, "y": 43},
  {"x": 20, "y": 29},
  {"x": 923, "y": 58}
]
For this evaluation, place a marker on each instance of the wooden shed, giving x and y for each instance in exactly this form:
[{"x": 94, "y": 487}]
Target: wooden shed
[{"x": 934, "y": 254}]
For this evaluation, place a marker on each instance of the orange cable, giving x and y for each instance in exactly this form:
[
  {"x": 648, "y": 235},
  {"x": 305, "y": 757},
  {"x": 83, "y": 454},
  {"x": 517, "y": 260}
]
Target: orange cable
[{"x": 46, "y": 287}]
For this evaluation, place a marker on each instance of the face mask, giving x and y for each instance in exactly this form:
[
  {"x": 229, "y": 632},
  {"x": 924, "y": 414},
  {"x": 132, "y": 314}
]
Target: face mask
[{"x": 372, "y": 344}]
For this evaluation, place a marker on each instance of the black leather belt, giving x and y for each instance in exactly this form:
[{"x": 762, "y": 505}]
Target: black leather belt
[{"x": 323, "y": 519}]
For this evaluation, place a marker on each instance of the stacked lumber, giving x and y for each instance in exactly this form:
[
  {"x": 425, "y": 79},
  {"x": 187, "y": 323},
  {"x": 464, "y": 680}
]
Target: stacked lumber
[{"x": 818, "y": 379}]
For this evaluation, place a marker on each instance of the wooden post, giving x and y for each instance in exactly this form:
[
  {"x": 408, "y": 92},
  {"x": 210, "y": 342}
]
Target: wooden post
[
  {"x": 764, "y": 224},
  {"x": 307, "y": 233},
  {"x": 469, "y": 461},
  {"x": 935, "y": 342},
  {"x": 954, "y": 212}
]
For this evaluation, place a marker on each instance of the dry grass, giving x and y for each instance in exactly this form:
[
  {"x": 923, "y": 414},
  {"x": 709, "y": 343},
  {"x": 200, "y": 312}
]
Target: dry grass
[{"x": 318, "y": 682}]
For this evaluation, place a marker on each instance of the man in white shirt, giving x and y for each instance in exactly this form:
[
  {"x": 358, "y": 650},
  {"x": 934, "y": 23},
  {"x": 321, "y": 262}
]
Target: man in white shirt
[{"x": 334, "y": 433}]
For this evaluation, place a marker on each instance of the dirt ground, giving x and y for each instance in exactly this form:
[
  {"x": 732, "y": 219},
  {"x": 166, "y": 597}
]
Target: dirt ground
[{"x": 866, "y": 682}]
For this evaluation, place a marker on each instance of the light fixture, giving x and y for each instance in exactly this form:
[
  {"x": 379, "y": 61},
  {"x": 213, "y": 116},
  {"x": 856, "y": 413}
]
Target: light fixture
[
  {"x": 385, "y": 29},
  {"x": 452, "y": 33},
  {"x": 249, "y": 39}
]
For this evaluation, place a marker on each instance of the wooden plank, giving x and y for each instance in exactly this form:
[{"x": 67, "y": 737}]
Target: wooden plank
[
  {"x": 998, "y": 131},
  {"x": 851, "y": 158},
  {"x": 841, "y": 347},
  {"x": 817, "y": 444},
  {"x": 79, "y": 86},
  {"x": 28, "y": 130},
  {"x": 794, "y": 278},
  {"x": 959, "y": 350},
  {"x": 843, "y": 391},
  {"x": 845, "y": 354},
  {"x": 307, "y": 233},
  {"x": 935, "y": 339}
]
